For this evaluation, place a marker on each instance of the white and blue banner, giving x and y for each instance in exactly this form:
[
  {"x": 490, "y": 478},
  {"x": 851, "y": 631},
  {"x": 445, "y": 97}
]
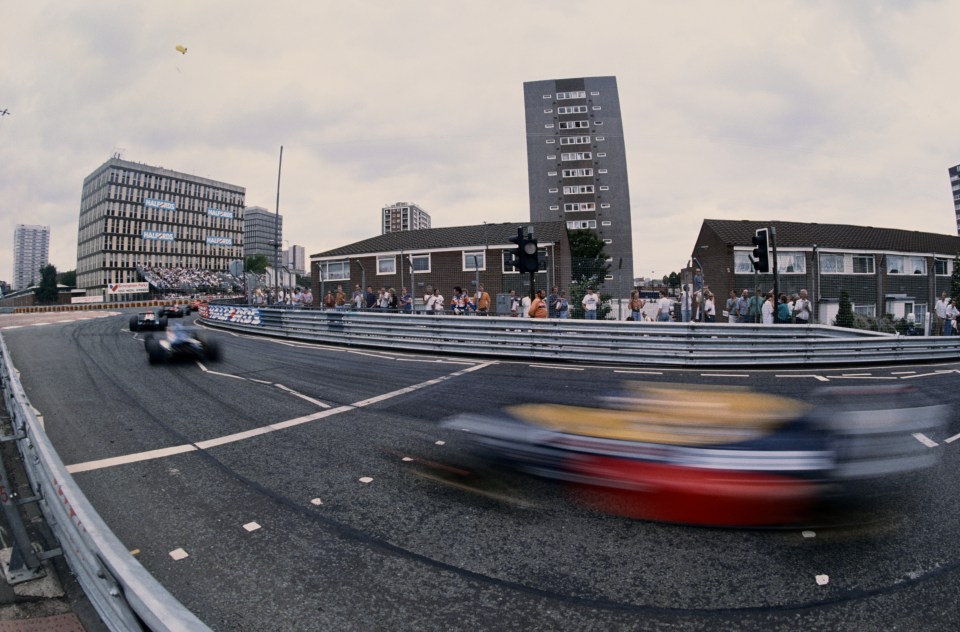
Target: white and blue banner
[
  {"x": 231, "y": 314},
  {"x": 219, "y": 241},
  {"x": 219, "y": 212},
  {"x": 163, "y": 205},
  {"x": 157, "y": 235}
]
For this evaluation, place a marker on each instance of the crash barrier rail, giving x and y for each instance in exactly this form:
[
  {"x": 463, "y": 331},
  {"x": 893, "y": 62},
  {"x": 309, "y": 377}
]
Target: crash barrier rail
[
  {"x": 83, "y": 307},
  {"x": 624, "y": 343},
  {"x": 124, "y": 594}
]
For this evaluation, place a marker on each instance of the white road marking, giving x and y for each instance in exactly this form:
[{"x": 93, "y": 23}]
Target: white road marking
[
  {"x": 437, "y": 361},
  {"x": 901, "y": 372},
  {"x": 907, "y": 377},
  {"x": 556, "y": 368},
  {"x": 202, "y": 368},
  {"x": 251, "y": 526},
  {"x": 816, "y": 377},
  {"x": 40, "y": 324},
  {"x": 13, "y": 327},
  {"x": 809, "y": 534},
  {"x": 313, "y": 401},
  {"x": 365, "y": 479},
  {"x": 371, "y": 355},
  {"x": 406, "y": 459},
  {"x": 440, "y": 442},
  {"x": 639, "y": 372},
  {"x": 952, "y": 439},
  {"x": 255, "y": 432},
  {"x": 925, "y": 440},
  {"x": 865, "y": 377},
  {"x": 823, "y": 580},
  {"x": 724, "y": 375},
  {"x": 179, "y": 554},
  {"x": 316, "y": 501},
  {"x": 260, "y": 381}
]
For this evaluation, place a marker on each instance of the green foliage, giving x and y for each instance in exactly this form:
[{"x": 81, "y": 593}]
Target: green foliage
[
  {"x": 304, "y": 280},
  {"x": 588, "y": 268},
  {"x": 46, "y": 291},
  {"x": 674, "y": 280},
  {"x": 845, "y": 313},
  {"x": 955, "y": 278},
  {"x": 256, "y": 264},
  {"x": 68, "y": 278}
]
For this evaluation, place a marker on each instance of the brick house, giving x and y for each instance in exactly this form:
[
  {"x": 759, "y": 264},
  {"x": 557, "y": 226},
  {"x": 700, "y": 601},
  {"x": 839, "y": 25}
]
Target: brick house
[
  {"x": 883, "y": 270},
  {"x": 444, "y": 258}
]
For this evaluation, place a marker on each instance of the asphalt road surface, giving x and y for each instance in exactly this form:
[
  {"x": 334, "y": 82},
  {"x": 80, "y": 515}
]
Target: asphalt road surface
[{"x": 301, "y": 487}]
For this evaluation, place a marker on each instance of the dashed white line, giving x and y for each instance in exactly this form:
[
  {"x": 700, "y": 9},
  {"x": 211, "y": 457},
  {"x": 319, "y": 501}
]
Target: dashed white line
[
  {"x": 816, "y": 377},
  {"x": 907, "y": 377},
  {"x": 313, "y": 401},
  {"x": 952, "y": 439},
  {"x": 556, "y": 368},
  {"x": 638, "y": 372},
  {"x": 902, "y": 372},
  {"x": 925, "y": 440},
  {"x": 372, "y": 355},
  {"x": 724, "y": 375}
]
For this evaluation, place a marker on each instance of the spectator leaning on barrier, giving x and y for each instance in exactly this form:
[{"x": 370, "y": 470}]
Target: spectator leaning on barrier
[
  {"x": 940, "y": 313},
  {"x": 370, "y": 298},
  {"x": 636, "y": 306},
  {"x": 406, "y": 301},
  {"x": 308, "y": 297},
  {"x": 768, "y": 309},
  {"x": 590, "y": 304},
  {"x": 731, "y": 310},
  {"x": 801, "y": 309},
  {"x": 329, "y": 301},
  {"x": 514, "y": 304},
  {"x": 538, "y": 308},
  {"x": 709, "y": 307},
  {"x": 340, "y": 298}
]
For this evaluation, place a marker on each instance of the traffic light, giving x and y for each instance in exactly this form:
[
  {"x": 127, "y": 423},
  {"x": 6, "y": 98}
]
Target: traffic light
[
  {"x": 761, "y": 256},
  {"x": 526, "y": 258}
]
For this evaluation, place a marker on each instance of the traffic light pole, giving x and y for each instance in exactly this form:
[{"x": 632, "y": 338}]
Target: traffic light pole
[{"x": 776, "y": 276}]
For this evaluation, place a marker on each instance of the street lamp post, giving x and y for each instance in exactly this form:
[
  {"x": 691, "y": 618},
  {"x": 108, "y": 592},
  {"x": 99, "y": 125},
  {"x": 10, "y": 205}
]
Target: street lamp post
[{"x": 276, "y": 226}]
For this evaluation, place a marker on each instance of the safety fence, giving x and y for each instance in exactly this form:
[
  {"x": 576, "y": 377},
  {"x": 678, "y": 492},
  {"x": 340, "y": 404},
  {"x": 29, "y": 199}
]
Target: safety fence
[
  {"x": 124, "y": 594},
  {"x": 617, "y": 342}
]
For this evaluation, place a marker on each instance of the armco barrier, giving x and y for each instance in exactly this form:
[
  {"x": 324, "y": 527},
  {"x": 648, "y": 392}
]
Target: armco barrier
[
  {"x": 124, "y": 594},
  {"x": 626, "y": 343}
]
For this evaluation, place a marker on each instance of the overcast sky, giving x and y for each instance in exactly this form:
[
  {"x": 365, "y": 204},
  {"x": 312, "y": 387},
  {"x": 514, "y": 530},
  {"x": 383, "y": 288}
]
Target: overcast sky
[{"x": 842, "y": 112}]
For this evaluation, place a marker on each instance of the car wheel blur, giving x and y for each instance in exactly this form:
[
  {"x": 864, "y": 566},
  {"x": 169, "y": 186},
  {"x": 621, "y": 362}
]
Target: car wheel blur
[
  {"x": 154, "y": 351},
  {"x": 162, "y": 322},
  {"x": 212, "y": 351},
  {"x": 134, "y": 325}
]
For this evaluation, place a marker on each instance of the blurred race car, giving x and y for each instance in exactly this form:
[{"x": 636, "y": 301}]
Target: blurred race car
[
  {"x": 727, "y": 457},
  {"x": 147, "y": 320},
  {"x": 181, "y": 342},
  {"x": 194, "y": 305},
  {"x": 175, "y": 311}
]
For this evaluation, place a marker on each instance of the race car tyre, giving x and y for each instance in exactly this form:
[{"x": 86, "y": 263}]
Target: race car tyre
[
  {"x": 212, "y": 349},
  {"x": 162, "y": 322},
  {"x": 134, "y": 325},
  {"x": 154, "y": 350}
]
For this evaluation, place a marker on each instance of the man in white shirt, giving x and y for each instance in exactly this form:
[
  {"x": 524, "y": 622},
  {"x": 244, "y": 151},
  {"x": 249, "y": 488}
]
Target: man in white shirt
[
  {"x": 590, "y": 302},
  {"x": 940, "y": 310},
  {"x": 801, "y": 309}
]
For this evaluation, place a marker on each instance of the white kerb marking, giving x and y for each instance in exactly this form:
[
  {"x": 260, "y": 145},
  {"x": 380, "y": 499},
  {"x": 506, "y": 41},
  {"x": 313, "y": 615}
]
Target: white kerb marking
[
  {"x": 251, "y": 526},
  {"x": 925, "y": 440},
  {"x": 179, "y": 554},
  {"x": 952, "y": 439},
  {"x": 406, "y": 459},
  {"x": 638, "y": 372}
]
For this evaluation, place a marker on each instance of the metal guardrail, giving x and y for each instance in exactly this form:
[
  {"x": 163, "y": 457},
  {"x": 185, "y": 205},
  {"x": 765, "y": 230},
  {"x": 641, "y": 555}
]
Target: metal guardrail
[
  {"x": 124, "y": 594},
  {"x": 713, "y": 345}
]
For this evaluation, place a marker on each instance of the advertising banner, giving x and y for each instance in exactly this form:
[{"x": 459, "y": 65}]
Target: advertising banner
[
  {"x": 231, "y": 314},
  {"x": 86, "y": 299},
  {"x": 163, "y": 205},
  {"x": 219, "y": 241},
  {"x": 157, "y": 235},
  {"x": 219, "y": 212},
  {"x": 128, "y": 288}
]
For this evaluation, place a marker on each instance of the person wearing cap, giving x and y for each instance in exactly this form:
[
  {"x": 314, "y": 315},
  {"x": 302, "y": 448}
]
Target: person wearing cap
[{"x": 590, "y": 302}]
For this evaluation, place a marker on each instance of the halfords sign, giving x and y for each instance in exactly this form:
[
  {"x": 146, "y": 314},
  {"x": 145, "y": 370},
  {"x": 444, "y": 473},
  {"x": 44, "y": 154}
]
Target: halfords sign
[
  {"x": 219, "y": 212},
  {"x": 219, "y": 241},
  {"x": 163, "y": 205},
  {"x": 157, "y": 235},
  {"x": 128, "y": 288},
  {"x": 242, "y": 315}
]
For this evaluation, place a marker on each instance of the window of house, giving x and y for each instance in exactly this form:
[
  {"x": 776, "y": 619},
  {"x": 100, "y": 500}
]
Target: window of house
[
  {"x": 831, "y": 263},
  {"x": 573, "y": 207},
  {"x": 791, "y": 262},
  {"x": 863, "y": 264},
  {"x": 420, "y": 263},
  {"x": 941, "y": 267},
  {"x": 865, "y": 310},
  {"x": 474, "y": 260},
  {"x": 386, "y": 264},
  {"x": 335, "y": 270},
  {"x": 741, "y": 263},
  {"x": 506, "y": 257},
  {"x": 902, "y": 264}
]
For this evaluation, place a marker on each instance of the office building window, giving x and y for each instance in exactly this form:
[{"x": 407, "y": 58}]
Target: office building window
[
  {"x": 572, "y": 109},
  {"x": 574, "y": 140},
  {"x": 578, "y": 155},
  {"x": 577, "y": 173},
  {"x": 578, "y": 189},
  {"x": 574, "y": 207},
  {"x": 563, "y": 96},
  {"x": 574, "y": 124},
  {"x": 579, "y": 224}
]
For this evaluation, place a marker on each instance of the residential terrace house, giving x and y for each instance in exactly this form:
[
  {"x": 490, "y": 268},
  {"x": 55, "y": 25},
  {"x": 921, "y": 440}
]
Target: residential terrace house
[
  {"x": 883, "y": 270},
  {"x": 444, "y": 258}
]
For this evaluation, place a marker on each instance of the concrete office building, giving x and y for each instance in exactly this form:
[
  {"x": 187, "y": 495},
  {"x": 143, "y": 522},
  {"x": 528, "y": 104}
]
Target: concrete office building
[
  {"x": 31, "y": 250},
  {"x": 577, "y": 163},
  {"x": 404, "y": 216},
  {"x": 135, "y": 216},
  {"x": 261, "y": 229},
  {"x": 954, "y": 173},
  {"x": 295, "y": 259}
]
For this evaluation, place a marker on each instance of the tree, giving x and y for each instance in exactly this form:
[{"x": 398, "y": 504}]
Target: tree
[
  {"x": 68, "y": 278},
  {"x": 256, "y": 264},
  {"x": 46, "y": 291},
  {"x": 955, "y": 278},
  {"x": 845, "y": 312},
  {"x": 588, "y": 268},
  {"x": 674, "y": 281}
]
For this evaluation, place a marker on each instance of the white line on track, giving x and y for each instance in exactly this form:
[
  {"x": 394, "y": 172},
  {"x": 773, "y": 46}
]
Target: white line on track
[
  {"x": 313, "y": 401},
  {"x": 724, "y": 375},
  {"x": 638, "y": 372},
  {"x": 557, "y": 368},
  {"x": 255, "y": 432},
  {"x": 901, "y": 372},
  {"x": 908, "y": 377},
  {"x": 253, "y": 379},
  {"x": 853, "y": 375},
  {"x": 372, "y": 355},
  {"x": 816, "y": 377},
  {"x": 952, "y": 439},
  {"x": 437, "y": 361},
  {"x": 925, "y": 440},
  {"x": 864, "y": 377}
]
